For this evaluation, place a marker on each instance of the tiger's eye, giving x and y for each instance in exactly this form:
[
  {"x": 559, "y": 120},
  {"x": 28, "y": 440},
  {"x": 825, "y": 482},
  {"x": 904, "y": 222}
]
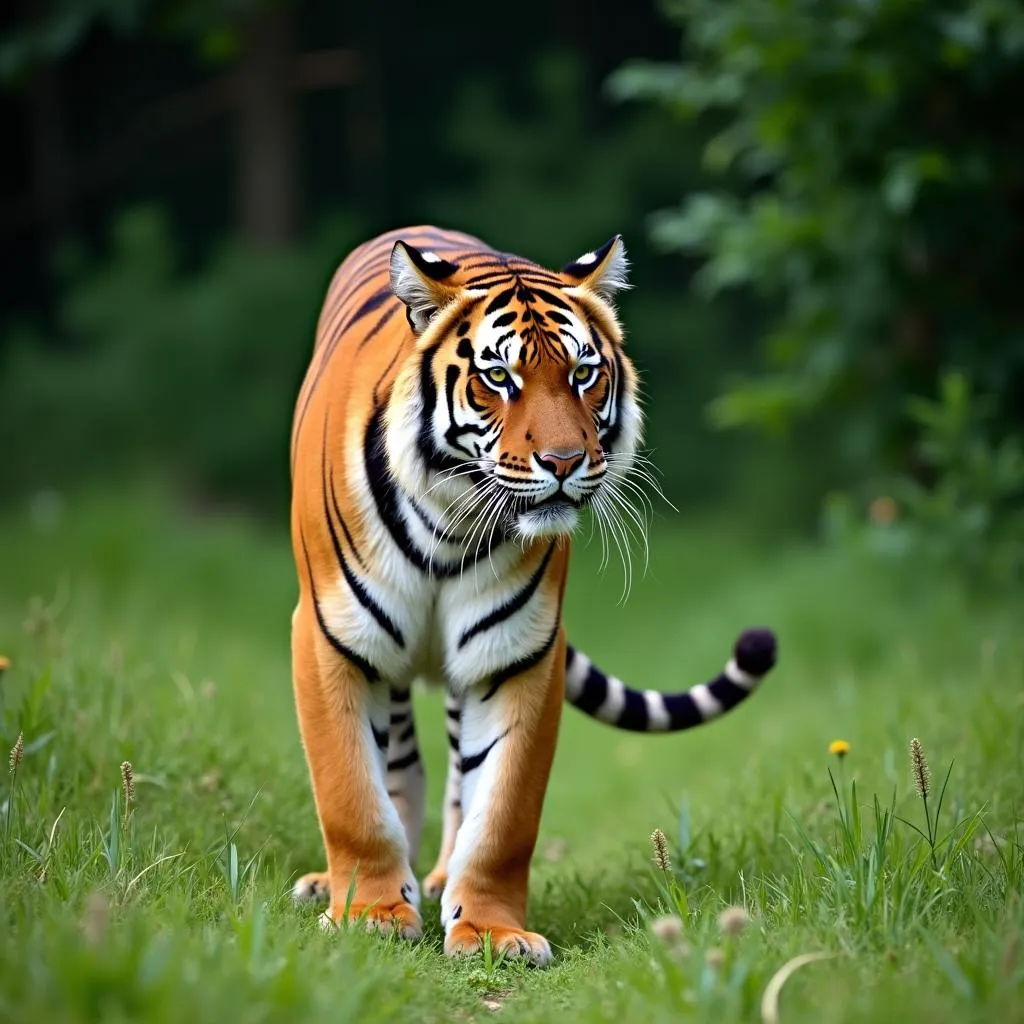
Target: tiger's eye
[
  {"x": 582, "y": 373},
  {"x": 497, "y": 375}
]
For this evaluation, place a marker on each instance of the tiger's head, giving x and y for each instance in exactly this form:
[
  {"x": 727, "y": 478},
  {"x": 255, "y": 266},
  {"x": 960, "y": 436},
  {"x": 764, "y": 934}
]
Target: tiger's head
[{"x": 519, "y": 403}]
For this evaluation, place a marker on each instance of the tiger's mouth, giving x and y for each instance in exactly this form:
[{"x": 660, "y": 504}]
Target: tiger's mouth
[
  {"x": 555, "y": 516},
  {"x": 551, "y": 518},
  {"x": 556, "y": 502}
]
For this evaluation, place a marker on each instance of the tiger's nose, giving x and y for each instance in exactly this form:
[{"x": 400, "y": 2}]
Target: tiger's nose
[{"x": 560, "y": 462}]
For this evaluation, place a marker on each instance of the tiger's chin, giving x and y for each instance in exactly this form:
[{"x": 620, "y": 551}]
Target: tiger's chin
[{"x": 549, "y": 520}]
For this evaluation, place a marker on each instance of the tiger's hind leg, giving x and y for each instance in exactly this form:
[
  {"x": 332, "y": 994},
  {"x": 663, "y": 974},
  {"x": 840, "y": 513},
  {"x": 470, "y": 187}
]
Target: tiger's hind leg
[
  {"x": 344, "y": 721},
  {"x": 433, "y": 884}
]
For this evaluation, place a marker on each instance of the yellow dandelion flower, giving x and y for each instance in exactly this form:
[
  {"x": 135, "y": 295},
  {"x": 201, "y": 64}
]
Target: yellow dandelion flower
[{"x": 839, "y": 747}]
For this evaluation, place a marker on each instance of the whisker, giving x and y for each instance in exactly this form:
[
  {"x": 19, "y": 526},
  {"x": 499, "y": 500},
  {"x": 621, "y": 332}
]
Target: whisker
[
  {"x": 619, "y": 499},
  {"x": 615, "y": 529}
]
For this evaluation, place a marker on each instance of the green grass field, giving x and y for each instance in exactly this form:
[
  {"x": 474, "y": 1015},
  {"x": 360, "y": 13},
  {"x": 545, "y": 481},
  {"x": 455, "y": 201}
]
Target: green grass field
[{"x": 138, "y": 635}]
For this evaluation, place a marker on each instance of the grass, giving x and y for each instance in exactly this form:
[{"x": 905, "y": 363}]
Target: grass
[{"x": 138, "y": 635}]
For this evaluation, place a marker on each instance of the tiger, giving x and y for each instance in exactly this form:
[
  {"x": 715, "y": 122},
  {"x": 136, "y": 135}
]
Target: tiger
[{"x": 461, "y": 408}]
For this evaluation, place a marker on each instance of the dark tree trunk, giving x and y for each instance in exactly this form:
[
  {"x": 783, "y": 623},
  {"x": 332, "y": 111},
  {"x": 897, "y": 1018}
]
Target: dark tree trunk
[
  {"x": 268, "y": 185},
  {"x": 51, "y": 158},
  {"x": 367, "y": 130}
]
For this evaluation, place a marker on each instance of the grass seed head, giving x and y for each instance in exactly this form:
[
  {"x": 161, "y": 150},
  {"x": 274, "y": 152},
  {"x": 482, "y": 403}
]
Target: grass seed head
[
  {"x": 733, "y": 920},
  {"x": 919, "y": 768},
  {"x": 17, "y": 752},
  {"x": 661, "y": 858},
  {"x": 128, "y": 779},
  {"x": 95, "y": 919},
  {"x": 714, "y": 958},
  {"x": 668, "y": 928}
]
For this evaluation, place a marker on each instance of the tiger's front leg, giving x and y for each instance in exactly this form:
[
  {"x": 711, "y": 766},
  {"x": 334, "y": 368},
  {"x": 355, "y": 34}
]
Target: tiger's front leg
[
  {"x": 344, "y": 722},
  {"x": 509, "y": 731}
]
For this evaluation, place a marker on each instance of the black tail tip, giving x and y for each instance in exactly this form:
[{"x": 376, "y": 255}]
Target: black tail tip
[{"x": 755, "y": 651}]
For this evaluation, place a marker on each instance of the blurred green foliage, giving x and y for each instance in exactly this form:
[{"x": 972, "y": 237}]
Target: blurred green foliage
[
  {"x": 969, "y": 519},
  {"x": 162, "y": 373},
  {"x": 871, "y": 154},
  {"x": 64, "y": 25}
]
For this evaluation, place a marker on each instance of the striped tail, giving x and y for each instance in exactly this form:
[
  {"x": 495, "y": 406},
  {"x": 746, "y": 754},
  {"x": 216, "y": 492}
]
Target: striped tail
[{"x": 609, "y": 699}]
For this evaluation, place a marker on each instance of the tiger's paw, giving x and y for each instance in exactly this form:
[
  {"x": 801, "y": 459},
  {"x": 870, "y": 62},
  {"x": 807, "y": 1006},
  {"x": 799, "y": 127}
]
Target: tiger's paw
[
  {"x": 465, "y": 939},
  {"x": 401, "y": 918},
  {"x": 434, "y": 883},
  {"x": 312, "y": 888}
]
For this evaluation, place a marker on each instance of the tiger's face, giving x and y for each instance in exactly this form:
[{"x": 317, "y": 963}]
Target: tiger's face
[{"x": 520, "y": 405}]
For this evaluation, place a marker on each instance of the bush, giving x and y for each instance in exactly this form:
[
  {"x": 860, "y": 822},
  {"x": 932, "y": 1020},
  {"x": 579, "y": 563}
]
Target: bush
[{"x": 871, "y": 156}]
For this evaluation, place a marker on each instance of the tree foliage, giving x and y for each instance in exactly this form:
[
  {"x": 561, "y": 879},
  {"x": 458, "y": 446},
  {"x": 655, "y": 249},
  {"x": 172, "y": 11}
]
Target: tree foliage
[{"x": 871, "y": 159}]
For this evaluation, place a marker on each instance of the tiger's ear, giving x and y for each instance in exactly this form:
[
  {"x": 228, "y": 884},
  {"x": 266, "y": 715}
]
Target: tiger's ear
[
  {"x": 604, "y": 271},
  {"x": 418, "y": 279}
]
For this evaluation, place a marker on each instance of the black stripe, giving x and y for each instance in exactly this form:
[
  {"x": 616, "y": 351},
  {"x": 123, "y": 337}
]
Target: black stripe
[
  {"x": 471, "y": 763},
  {"x": 511, "y": 606},
  {"x": 552, "y": 300},
  {"x": 404, "y": 762},
  {"x": 344, "y": 526},
  {"x": 407, "y": 733},
  {"x": 456, "y": 429},
  {"x": 633, "y": 715},
  {"x": 500, "y": 301},
  {"x": 727, "y": 693},
  {"x": 683, "y": 712},
  {"x": 614, "y": 429},
  {"x": 522, "y": 665},
  {"x": 489, "y": 277},
  {"x": 453, "y": 742},
  {"x": 368, "y": 670},
  {"x": 385, "y": 496},
  {"x": 435, "y": 529},
  {"x": 354, "y": 583},
  {"x": 398, "y": 717},
  {"x": 453, "y": 713},
  {"x": 594, "y": 692},
  {"x": 484, "y": 258},
  {"x": 429, "y": 452},
  {"x": 380, "y": 738},
  {"x": 379, "y": 326}
]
